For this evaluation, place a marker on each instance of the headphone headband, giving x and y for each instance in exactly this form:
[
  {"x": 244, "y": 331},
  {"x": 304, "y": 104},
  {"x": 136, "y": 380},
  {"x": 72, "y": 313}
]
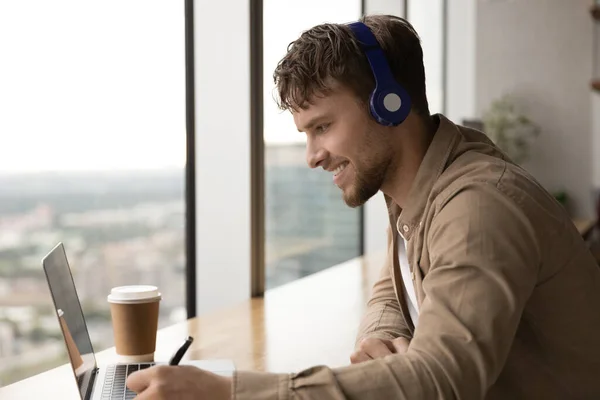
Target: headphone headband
[{"x": 389, "y": 102}]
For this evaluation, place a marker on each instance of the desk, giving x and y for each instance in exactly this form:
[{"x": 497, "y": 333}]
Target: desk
[
  {"x": 285, "y": 331},
  {"x": 584, "y": 226}
]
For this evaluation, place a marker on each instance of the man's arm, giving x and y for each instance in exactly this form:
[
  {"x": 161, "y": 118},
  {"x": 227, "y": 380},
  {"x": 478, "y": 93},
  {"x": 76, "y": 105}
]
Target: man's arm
[
  {"x": 383, "y": 317},
  {"x": 484, "y": 262}
]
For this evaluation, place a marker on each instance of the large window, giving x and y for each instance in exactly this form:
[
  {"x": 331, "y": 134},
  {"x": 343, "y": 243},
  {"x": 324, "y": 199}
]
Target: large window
[
  {"x": 308, "y": 226},
  {"x": 92, "y": 125}
]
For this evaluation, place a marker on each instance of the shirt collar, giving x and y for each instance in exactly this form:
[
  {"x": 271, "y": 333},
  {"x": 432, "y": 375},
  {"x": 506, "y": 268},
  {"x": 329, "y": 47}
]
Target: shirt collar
[{"x": 436, "y": 158}]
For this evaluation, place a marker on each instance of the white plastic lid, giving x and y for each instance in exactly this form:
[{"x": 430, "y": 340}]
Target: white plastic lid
[{"x": 133, "y": 294}]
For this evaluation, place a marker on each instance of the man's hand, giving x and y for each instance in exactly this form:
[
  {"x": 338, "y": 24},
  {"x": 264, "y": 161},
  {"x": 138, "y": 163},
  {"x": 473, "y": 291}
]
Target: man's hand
[
  {"x": 371, "y": 348},
  {"x": 179, "y": 382}
]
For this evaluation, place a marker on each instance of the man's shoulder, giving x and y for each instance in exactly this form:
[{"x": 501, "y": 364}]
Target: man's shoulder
[
  {"x": 471, "y": 169},
  {"x": 479, "y": 172},
  {"x": 478, "y": 184}
]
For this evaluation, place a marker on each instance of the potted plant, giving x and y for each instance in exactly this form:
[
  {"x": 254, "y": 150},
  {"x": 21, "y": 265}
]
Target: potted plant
[{"x": 512, "y": 131}]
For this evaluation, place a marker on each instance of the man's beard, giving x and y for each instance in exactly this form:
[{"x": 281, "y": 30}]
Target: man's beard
[{"x": 366, "y": 184}]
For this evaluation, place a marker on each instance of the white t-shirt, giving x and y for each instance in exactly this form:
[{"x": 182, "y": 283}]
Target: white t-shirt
[{"x": 409, "y": 288}]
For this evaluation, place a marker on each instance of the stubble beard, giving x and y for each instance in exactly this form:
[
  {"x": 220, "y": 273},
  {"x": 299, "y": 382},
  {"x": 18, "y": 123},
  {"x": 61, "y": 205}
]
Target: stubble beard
[{"x": 367, "y": 183}]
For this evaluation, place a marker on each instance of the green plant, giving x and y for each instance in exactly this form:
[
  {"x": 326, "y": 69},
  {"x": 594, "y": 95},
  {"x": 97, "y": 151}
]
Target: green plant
[
  {"x": 561, "y": 197},
  {"x": 509, "y": 129}
]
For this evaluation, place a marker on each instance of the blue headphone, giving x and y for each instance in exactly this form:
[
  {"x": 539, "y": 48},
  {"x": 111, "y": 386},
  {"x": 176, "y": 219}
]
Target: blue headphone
[{"x": 389, "y": 102}]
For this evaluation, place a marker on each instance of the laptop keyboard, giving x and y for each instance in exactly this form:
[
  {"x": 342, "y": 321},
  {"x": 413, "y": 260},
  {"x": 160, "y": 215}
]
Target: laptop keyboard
[{"x": 114, "y": 384}]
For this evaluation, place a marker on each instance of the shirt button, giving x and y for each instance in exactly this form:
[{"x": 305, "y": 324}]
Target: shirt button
[{"x": 405, "y": 228}]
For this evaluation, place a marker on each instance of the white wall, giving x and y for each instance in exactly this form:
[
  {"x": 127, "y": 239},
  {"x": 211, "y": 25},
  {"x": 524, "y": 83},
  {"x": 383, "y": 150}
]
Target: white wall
[
  {"x": 222, "y": 154},
  {"x": 460, "y": 59},
  {"x": 541, "y": 51}
]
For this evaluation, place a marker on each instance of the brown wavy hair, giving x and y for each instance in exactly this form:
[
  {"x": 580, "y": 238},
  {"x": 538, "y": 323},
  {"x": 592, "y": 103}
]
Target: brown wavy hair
[{"x": 328, "y": 54}]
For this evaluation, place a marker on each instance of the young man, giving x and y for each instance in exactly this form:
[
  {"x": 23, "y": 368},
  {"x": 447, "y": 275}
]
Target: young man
[{"x": 495, "y": 296}]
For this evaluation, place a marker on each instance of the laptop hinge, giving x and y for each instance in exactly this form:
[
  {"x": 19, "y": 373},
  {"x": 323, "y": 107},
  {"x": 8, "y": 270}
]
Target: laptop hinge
[{"x": 90, "y": 385}]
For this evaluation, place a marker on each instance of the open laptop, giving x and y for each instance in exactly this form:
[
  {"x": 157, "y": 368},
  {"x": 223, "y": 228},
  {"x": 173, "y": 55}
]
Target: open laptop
[{"x": 95, "y": 383}]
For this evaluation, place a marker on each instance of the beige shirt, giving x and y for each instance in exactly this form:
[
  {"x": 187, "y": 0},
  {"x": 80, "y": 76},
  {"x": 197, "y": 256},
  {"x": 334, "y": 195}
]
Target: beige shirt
[{"x": 508, "y": 293}]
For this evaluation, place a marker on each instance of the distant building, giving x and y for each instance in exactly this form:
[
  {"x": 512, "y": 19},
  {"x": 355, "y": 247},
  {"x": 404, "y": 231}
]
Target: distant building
[
  {"x": 7, "y": 339},
  {"x": 308, "y": 225},
  {"x": 132, "y": 231}
]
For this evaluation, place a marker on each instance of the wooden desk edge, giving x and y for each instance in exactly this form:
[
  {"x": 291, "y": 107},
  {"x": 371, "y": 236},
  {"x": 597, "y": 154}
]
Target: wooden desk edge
[{"x": 584, "y": 226}]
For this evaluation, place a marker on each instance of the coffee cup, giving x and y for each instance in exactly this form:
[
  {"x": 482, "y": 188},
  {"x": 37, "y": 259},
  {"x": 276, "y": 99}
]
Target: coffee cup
[{"x": 134, "y": 313}]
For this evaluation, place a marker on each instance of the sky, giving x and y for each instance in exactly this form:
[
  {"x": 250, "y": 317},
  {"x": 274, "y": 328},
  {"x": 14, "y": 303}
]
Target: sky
[
  {"x": 100, "y": 85},
  {"x": 91, "y": 85},
  {"x": 279, "y": 29}
]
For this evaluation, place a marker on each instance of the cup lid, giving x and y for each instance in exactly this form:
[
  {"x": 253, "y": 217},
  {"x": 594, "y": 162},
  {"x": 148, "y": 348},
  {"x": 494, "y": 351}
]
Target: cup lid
[{"x": 133, "y": 294}]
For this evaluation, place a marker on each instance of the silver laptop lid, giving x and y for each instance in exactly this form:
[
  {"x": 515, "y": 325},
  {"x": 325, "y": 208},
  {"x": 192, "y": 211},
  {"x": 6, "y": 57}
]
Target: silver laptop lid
[{"x": 70, "y": 317}]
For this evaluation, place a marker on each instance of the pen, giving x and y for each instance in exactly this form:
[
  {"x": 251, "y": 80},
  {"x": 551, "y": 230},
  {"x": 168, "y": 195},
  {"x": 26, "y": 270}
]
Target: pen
[{"x": 181, "y": 351}]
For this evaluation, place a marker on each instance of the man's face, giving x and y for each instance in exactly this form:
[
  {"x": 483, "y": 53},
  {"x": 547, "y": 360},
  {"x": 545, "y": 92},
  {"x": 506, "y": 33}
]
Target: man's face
[{"x": 342, "y": 138}]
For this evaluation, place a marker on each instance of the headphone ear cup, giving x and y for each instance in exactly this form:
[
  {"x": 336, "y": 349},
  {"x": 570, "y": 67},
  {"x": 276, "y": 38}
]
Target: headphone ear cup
[
  {"x": 389, "y": 103},
  {"x": 390, "y": 106}
]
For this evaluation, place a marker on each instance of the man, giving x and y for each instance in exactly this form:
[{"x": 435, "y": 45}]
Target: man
[{"x": 488, "y": 292}]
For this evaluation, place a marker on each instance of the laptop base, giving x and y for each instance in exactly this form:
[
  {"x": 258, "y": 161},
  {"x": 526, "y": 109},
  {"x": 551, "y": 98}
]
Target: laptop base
[{"x": 110, "y": 380}]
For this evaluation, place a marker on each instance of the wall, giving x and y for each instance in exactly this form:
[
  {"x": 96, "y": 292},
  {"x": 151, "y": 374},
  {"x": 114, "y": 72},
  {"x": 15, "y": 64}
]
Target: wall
[
  {"x": 222, "y": 154},
  {"x": 541, "y": 51},
  {"x": 460, "y": 60}
]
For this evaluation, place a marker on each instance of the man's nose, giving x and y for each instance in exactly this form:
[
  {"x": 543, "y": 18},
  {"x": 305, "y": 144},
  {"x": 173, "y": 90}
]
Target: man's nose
[{"x": 315, "y": 155}]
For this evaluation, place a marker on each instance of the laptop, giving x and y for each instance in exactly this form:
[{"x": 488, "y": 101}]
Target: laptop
[{"x": 94, "y": 382}]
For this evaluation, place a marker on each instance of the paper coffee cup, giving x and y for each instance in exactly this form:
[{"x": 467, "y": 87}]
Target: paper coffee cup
[{"x": 134, "y": 313}]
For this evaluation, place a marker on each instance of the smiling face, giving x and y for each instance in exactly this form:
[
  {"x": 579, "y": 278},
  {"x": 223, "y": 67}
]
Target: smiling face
[{"x": 342, "y": 138}]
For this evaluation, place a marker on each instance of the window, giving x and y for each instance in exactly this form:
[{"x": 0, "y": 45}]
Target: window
[
  {"x": 308, "y": 226},
  {"x": 92, "y": 119}
]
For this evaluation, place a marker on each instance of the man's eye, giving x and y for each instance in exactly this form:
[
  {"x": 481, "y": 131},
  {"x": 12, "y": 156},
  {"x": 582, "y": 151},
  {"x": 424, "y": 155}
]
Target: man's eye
[{"x": 322, "y": 128}]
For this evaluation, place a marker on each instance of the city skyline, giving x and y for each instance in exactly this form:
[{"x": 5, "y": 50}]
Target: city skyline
[{"x": 120, "y": 228}]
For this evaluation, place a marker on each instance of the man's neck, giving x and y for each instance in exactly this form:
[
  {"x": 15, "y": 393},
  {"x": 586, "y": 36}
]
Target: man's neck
[{"x": 412, "y": 145}]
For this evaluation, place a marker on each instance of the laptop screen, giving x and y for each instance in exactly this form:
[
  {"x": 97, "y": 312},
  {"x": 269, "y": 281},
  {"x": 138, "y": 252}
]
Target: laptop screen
[{"x": 70, "y": 317}]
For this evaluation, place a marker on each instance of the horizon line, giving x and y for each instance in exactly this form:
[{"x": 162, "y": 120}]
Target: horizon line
[{"x": 91, "y": 170}]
